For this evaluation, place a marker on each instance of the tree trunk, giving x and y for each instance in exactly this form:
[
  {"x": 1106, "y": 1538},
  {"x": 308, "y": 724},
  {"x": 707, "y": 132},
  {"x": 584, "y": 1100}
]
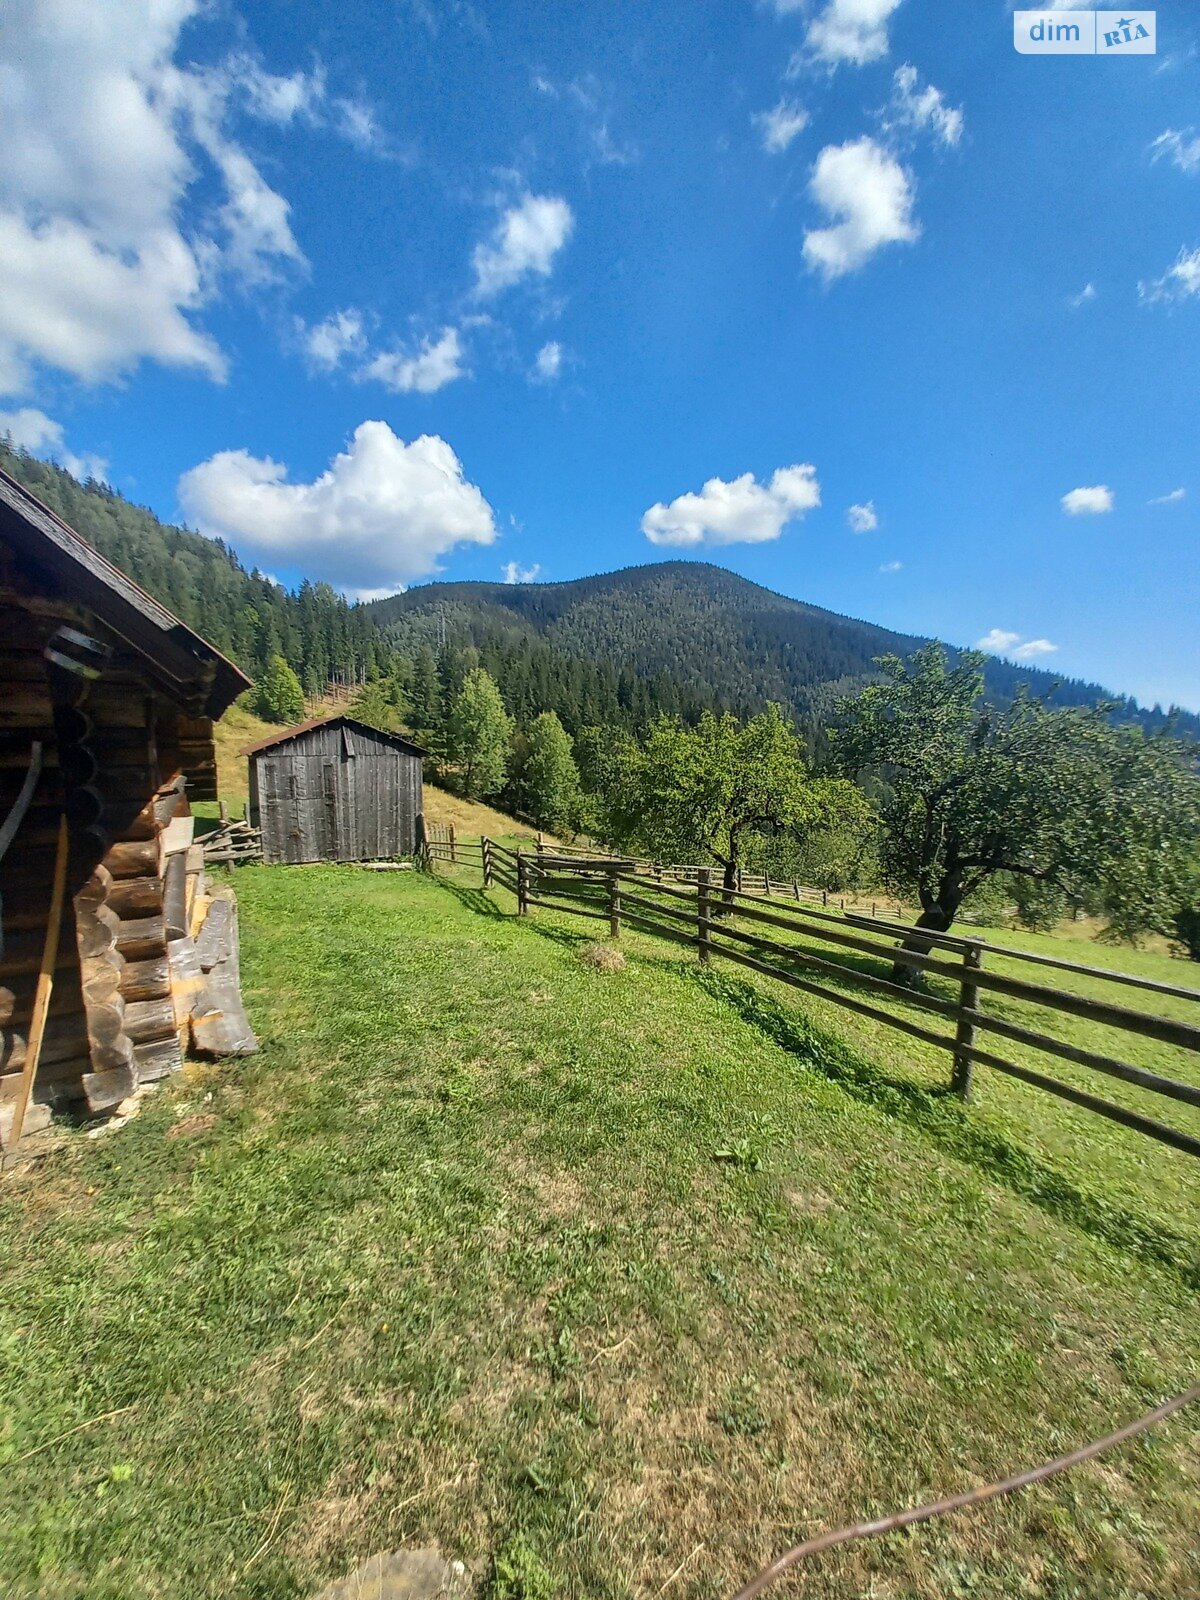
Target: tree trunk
[{"x": 936, "y": 918}]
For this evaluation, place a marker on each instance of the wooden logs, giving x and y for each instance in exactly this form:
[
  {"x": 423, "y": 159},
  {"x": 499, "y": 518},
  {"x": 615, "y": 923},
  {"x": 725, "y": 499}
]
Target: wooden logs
[
  {"x": 139, "y": 939},
  {"x": 150, "y": 1019},
  {"x": 133, "y": 858},
  {"x": 157, "y": 1058},
  {"x": 146, "y": 980},
  {"x": 101, "y": 968},
  {"x": 136, "y": 897}
]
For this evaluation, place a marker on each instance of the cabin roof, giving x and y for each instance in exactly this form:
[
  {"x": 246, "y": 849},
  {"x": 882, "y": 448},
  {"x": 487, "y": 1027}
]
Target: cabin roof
[
  {"x": 397, "y": 740},
  {"x": 187, "y": 667}
]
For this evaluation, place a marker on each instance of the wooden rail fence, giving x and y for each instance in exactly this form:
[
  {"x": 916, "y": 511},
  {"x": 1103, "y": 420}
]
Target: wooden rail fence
[{"x": 701, "y": 913}]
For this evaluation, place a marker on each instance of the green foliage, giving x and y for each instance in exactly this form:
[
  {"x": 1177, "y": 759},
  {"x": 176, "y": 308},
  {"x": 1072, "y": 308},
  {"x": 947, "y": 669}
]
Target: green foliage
[
  {"x": 549, "y": 778},
  {"x": 519, "y": 1573},
  {"x": 706, "y": 793},
  {"x": 1187, "y": 931},
  {"x": 279, "y": 696},
  {"x": 479, "y": 735},
  {"x": 1061, "y": 797},
  {"x": 383, "y": 704}
]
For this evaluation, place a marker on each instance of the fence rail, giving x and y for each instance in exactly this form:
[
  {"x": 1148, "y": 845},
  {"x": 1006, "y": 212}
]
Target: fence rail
[{"x": 862, "y": 964}]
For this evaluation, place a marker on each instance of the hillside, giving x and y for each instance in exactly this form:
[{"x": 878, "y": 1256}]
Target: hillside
[
  {"x": 621, "y": 647},
  {"x": 605, "y": 1283},
  {"x": 720, "y": 638}
]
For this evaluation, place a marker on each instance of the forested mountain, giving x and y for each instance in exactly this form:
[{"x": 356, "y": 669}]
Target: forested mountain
[
  {"x": 692, "y": 635},
  {"x": 677, "y": 637}
]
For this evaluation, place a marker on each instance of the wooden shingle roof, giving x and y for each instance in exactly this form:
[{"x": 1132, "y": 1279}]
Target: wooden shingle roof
[
  {"x": 332, "y": 719},
  {"x": 189, "y": 669}
]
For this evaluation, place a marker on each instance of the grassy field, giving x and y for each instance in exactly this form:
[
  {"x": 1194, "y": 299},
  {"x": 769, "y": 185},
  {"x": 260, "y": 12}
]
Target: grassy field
[{"x": 610, "y": 1283}]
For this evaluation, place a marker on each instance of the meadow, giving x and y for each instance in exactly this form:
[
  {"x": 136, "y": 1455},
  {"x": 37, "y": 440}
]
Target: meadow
[{"x": 608, "y": 1283}]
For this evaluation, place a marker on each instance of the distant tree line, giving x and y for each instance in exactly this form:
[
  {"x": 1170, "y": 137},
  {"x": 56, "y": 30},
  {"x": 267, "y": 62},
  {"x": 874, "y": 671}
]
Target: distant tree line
[{"x": 915, "y": 781}]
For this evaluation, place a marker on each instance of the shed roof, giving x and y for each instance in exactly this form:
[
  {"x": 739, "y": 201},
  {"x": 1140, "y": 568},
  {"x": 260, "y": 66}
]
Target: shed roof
[
  {"x": 286, "y": 734},
  {"x": 188, "y": 668}
]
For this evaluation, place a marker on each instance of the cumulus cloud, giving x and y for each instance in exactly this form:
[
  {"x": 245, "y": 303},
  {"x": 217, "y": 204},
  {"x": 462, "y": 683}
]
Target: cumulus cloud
[
  {"x": 779, "y": 126},
  {"x": 869, "y": 195},
  {"x": 341, "y": 335},
  {"x": 106, "y": 254},
  {"x": 32, "y": 430},
  {"x": 892, "y": 566},
  {"x": 1171, "y": 499},
  {"x": 1002, "y": 642},
  {"x": 741, "y": 512},
  {"x": 434, "y": 364},
  {"x": 1092, "y": 502},
  {"x": 524, "y": 243},
  {"x": 1088, "y": 292},
  {"x": 862, "y": 519},
  {"x": 380, "y": 516},
  {"x": 853, "y": 32},
  {"x": 1181, "y": 280},
  {"x": 922, "y": 109},
  {"x": 515, "y": 573},
  {"x": 548, "y": 362},
  {"x": 1181, "y": 148},
  {"x": 1032, "y": 649}
]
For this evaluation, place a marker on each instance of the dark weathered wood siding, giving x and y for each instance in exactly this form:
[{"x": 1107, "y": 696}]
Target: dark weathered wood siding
[{"x": 336, "y": 793}]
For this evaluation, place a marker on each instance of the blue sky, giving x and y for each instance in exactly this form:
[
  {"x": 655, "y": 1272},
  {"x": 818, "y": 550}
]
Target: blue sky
[{"x": 845, "y": 295}]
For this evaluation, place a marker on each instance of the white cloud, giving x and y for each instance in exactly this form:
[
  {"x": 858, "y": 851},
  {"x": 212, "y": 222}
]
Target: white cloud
[
  {"x": 741, "y": 512},
  {"x": 431, "y": 367},
  {"x": 548, "y": 363},
  {"x": 892, "y": 566},
  {"x": 1002, "y": 642},
  {"x": 1171, "y": 499},
  {"x": 852, "y": 31},
  {"x": 1181, "y": 148},
  {"x": 922, "y": 109},
  {"x": 1088, "y": 292},
  {"x": 862, "y": 519},
  {"x": 32, "y": 430},
  {"x": 327, "y": 344},
  {"x": 524, "y": 242},
  {"x": 381, "y": 515},
  {"x": 780, "y": 125},
  {"x": 276, "y": 98},
  {"x": 1093, "y": 502},
  {"x": 514, "y": 573},
  {"x": 872, "y": 196},
  {"x": 110, "y": 246},
  {"x": 998, "y": 642},
  {"x": 1180, "y": 281}
]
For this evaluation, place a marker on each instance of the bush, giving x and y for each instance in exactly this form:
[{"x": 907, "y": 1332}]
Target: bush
[{"x": 1187, "y": 931}]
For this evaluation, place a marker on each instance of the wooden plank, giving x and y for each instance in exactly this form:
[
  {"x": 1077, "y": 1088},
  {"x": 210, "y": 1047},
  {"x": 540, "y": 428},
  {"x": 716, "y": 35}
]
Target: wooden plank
[{"x": 45, "y": 988}]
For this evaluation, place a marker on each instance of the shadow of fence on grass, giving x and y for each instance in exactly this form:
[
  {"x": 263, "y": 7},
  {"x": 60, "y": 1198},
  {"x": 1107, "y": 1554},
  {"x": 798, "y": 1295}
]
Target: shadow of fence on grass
[{"x": 941, "y": 1118}]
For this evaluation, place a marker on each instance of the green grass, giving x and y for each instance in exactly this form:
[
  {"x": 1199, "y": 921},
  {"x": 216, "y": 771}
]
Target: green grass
[{"x": 608, "y": 1283}]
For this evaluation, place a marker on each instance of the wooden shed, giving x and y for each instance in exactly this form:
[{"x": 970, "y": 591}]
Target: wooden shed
[
  {"x": 334, "y": 789},
  {"x": 107, "y": 704}
]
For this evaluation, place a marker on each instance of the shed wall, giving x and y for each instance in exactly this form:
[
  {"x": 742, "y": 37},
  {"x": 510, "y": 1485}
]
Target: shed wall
[{"x": 336, "y": 794}]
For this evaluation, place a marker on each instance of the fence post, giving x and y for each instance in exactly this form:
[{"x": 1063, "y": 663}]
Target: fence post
[
  {"x": 795, "y": 890},
  {"x": 703, "y": 912},
  {"x": 766, "y": 883},
  {"x": 614, "y": 902},
  {"x": 964, "y": 1037},
  {"x": 423, "y": 856},
  {"x": 485, "y": 845},
  {"x": 453, "y": 844},
  {"x": 522, "y": 884},
  {"x": 824, "y": 897}
]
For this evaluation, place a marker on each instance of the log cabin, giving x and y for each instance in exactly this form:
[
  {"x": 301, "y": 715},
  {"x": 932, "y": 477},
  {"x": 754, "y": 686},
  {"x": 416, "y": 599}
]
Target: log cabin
[{"x": 107, "y": 704}]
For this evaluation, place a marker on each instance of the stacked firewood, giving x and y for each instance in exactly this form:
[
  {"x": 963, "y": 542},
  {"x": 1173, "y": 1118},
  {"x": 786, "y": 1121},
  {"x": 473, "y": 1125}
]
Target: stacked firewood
[{"x": 231, "y": 843}]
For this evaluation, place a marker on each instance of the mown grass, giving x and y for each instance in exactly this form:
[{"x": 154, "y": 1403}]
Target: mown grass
[{"x": 611, "y": 1284}]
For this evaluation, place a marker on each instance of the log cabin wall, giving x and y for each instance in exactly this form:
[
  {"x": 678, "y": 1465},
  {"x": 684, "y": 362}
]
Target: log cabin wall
[{"x": 117, "y": 756}]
